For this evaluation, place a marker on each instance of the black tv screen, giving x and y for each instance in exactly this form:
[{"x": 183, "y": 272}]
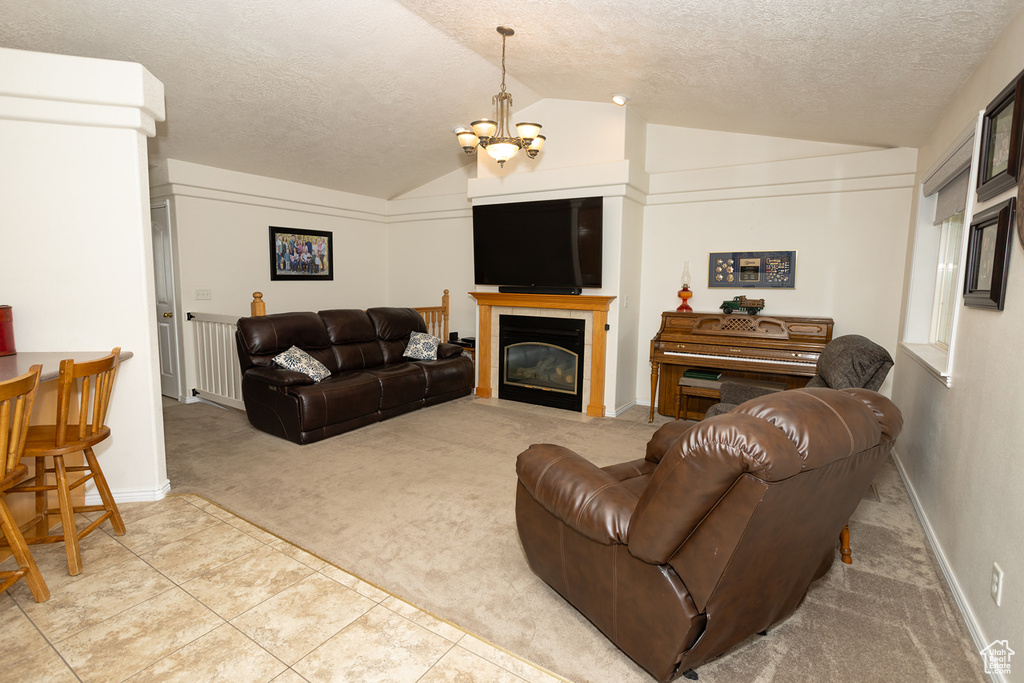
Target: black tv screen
[{"x": 554, "y": 243}]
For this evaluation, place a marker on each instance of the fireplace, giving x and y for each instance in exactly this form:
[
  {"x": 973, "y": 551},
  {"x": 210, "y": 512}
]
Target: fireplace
[{"x": 541, "y": 360}]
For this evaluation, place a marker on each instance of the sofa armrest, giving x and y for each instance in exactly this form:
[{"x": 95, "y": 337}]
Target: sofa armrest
[
  {"x": 278, "y": 377},
  {"x": 582, "y": 495},
  {"x": 446, "y": 350}
]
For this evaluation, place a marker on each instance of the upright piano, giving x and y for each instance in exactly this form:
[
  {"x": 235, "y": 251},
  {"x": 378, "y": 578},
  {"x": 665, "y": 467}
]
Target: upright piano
[{"x": 752, "y": 347}]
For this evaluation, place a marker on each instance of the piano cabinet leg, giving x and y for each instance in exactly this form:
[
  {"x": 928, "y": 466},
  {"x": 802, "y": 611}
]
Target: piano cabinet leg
[{"x": 655, "y": 369}]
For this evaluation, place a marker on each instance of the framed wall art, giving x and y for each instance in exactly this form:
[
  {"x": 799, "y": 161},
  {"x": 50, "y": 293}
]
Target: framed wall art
[
  {"x": 988, "y": 257},
  {"x": 752, "y": 269},
  {"x": 298, "y": 254},
  {"x": 999, "y": 166}
]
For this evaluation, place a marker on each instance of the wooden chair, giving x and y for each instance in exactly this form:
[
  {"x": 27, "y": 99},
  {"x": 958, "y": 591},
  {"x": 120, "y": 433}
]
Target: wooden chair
[
  {"x": 90, "y": 383},
  {"x": 16, "y": 398}
]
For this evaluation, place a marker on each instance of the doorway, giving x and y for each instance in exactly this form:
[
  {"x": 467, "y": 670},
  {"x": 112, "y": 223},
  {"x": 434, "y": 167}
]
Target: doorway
[{"x": 166, "y": 315}]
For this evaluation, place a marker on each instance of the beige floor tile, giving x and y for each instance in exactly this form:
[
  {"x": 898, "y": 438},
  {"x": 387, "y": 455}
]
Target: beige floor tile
[
  {"x": 193, "y": 556},
  {"x": 462, "y": 666},
  {"x": 136, "y": 512},
  {"x": 224, "y": 654},
  {"x": 289, "y": 676},
  {"x": 20, "y": 636},
  {"x": 167, "y": 526},
  {"x": 138, "y": 637},
  {"x": 94, "y": 598},
  {"x": 297, "y": 553},
  {"x": 302, "y": 617},
  {"x": 253, "y": 530},
  {"x": 44, "y": 666},
  {"x": 508, "y": 662},
  {"x": 99, "y": 551},
  {"x": 379, "y": 646},
  {"x": 355, "y": 583},
  {"x": 247, "y": 581},
  {"x": 431, "y": 623}
]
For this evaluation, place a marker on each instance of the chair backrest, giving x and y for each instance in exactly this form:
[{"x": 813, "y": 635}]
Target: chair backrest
[
  {"x": 746, "y": 507},
  {"x": 91, "y": 383},
  {"x": 16, "y": 398},
  {"x": 853, "y": 361}
]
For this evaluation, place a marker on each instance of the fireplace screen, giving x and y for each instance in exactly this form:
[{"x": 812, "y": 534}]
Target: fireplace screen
[{"x": 536, "y": 365}]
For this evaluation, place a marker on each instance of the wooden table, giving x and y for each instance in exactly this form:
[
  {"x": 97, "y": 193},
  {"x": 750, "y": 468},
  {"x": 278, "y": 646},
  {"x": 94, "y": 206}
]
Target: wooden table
[{"x": 20, "y": 363}]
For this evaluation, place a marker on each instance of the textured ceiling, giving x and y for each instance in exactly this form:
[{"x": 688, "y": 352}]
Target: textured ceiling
[{"x": 361, "y": 95}]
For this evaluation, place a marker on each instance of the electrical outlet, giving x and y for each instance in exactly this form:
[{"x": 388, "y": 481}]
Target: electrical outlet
[
  {"x": 204, "y": 294},
  {"x": 997, "y": 584}
]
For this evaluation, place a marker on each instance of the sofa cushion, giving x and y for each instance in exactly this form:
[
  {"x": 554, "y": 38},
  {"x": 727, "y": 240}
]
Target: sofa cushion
[
  {"x": 393, "y": 327},
  {"x": 298, "y": 360},
  {"x": 353, "y": 339},
  {"x": 400, "y": 384},
  {"x": 422, "y": 346},
  {"x": 344, "y": 397},
  {"x": 260, "y": 338}
]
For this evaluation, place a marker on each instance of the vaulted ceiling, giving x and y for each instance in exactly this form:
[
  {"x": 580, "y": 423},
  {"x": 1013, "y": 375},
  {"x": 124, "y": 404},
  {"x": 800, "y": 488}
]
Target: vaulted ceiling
[{"x": 361, "y": 95}]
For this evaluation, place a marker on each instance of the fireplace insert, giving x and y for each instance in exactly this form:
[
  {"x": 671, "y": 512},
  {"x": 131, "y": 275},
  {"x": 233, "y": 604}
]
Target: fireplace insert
[{"x": 541, "y": 360}]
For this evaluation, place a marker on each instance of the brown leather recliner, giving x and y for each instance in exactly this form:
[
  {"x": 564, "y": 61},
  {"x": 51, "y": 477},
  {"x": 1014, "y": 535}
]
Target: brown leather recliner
[{"x": 717, "y": 534}]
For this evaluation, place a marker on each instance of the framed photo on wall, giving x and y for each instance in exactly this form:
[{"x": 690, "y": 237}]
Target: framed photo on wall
[
  {"x": 999, "y": 167},
  {"x": 299, "y": 254},
  {"x": 988, "y": 257}
]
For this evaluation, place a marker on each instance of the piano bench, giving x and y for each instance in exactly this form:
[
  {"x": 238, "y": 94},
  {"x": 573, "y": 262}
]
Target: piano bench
[
  {"x": 705, "y": 388},
  {"x": 685, "y": 391}
]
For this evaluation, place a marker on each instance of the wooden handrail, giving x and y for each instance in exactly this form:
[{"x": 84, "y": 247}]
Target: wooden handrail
[{"x": 436, "y": 318}]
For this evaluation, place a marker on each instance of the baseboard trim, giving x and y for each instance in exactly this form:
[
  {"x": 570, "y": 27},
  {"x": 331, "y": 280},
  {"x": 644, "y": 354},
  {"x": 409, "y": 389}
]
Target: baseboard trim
[
  {"x": 973, "y": 627},
  {"x": 620, "y": 410},
  {"x": 92, "y": 497}
]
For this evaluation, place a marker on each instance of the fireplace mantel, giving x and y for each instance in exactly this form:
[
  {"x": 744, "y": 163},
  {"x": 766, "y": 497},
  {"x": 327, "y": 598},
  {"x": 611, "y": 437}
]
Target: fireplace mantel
[{"x": 597, "y": 305}]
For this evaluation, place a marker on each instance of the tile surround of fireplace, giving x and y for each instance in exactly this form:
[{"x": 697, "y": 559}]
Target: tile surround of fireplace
[{"x": 592, "y": 309}]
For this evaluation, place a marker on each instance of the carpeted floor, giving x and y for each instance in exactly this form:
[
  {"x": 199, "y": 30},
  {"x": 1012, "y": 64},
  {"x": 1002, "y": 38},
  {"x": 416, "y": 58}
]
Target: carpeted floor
[{"x": 423, "y": 506}]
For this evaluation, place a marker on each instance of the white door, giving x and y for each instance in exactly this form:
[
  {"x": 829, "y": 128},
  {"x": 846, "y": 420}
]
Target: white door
[{"x": 166, "y": 323}]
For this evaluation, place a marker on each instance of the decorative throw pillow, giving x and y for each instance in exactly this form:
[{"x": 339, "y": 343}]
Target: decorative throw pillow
[
  {"x": 422, "y": 346},
  {"x": 298, "y": 360}
]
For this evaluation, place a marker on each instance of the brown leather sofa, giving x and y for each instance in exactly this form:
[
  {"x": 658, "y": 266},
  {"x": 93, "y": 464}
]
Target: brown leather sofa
[
  {"x": 370, "y": 379},
  {"x": 717, "y": 533}
]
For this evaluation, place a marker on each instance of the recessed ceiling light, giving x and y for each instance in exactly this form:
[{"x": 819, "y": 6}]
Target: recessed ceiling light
[{"x": 620, "y": 99}]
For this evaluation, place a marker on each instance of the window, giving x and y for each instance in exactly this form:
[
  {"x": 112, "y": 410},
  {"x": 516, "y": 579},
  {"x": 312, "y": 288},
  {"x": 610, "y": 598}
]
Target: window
[
  {"x": 936, "y": 276},
  {"x": 947, "y": 280}
]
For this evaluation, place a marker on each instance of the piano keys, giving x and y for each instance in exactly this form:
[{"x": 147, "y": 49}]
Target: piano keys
[{"x": 768, "y": 348}]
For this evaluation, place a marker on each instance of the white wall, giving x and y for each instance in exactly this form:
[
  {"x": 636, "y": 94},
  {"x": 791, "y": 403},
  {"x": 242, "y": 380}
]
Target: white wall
[
  {"x": 961, "y": 446},
  {"x": 221, "y": 227},
  {"x": 76, "y": 233},
  {"x": 844, "y": 211}
]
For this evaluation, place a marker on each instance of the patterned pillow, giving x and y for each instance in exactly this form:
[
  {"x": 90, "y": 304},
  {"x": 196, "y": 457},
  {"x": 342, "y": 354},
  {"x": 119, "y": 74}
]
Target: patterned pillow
[
  {"x": 422, "y": 346},
  {"x": 298, "y": 360}
]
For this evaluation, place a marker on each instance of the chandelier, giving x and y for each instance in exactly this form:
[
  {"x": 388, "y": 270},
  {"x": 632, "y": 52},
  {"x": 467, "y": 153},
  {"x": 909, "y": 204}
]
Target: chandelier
[{"x": 495, "y": 136}]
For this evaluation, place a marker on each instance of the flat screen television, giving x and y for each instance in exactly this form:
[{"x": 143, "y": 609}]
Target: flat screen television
[{"x": 550, "y": 245}]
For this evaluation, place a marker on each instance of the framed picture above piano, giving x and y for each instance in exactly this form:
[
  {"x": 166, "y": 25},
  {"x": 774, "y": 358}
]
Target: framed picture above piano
[{"x": 752, "y": 269}]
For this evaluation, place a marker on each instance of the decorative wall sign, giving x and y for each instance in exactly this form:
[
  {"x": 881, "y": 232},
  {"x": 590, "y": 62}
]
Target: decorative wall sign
[
  {"x": 999, "y": 165},
  {"x": 988, "y": 257},
  {"x": 752, "y": 269},
  {"x": 297, "y": 254}
]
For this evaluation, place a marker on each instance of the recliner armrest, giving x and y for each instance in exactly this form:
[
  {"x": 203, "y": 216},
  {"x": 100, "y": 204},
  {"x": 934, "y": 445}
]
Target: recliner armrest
[
  {"x": 446, "y": 350},
  {"x": 279, "y": 377},
  {"x": 582, "y": 495}
]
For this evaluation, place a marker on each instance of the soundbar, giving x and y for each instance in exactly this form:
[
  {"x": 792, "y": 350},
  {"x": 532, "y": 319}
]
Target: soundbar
[{"x": 539, "y": 290}]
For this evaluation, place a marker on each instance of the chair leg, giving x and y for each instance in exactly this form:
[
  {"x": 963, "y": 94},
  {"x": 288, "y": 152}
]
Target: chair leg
[
  {"x": 21, "y": 553},
  {"x": 67, "y": 517},
  {"x": 844, "y": 545},
  {"x": 104, "y": 491},
  {"x": 42, "y": 519}
]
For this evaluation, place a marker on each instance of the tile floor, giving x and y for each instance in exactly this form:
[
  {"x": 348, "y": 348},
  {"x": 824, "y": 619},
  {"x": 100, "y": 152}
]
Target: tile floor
[{"x": 194, "y": 593}]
